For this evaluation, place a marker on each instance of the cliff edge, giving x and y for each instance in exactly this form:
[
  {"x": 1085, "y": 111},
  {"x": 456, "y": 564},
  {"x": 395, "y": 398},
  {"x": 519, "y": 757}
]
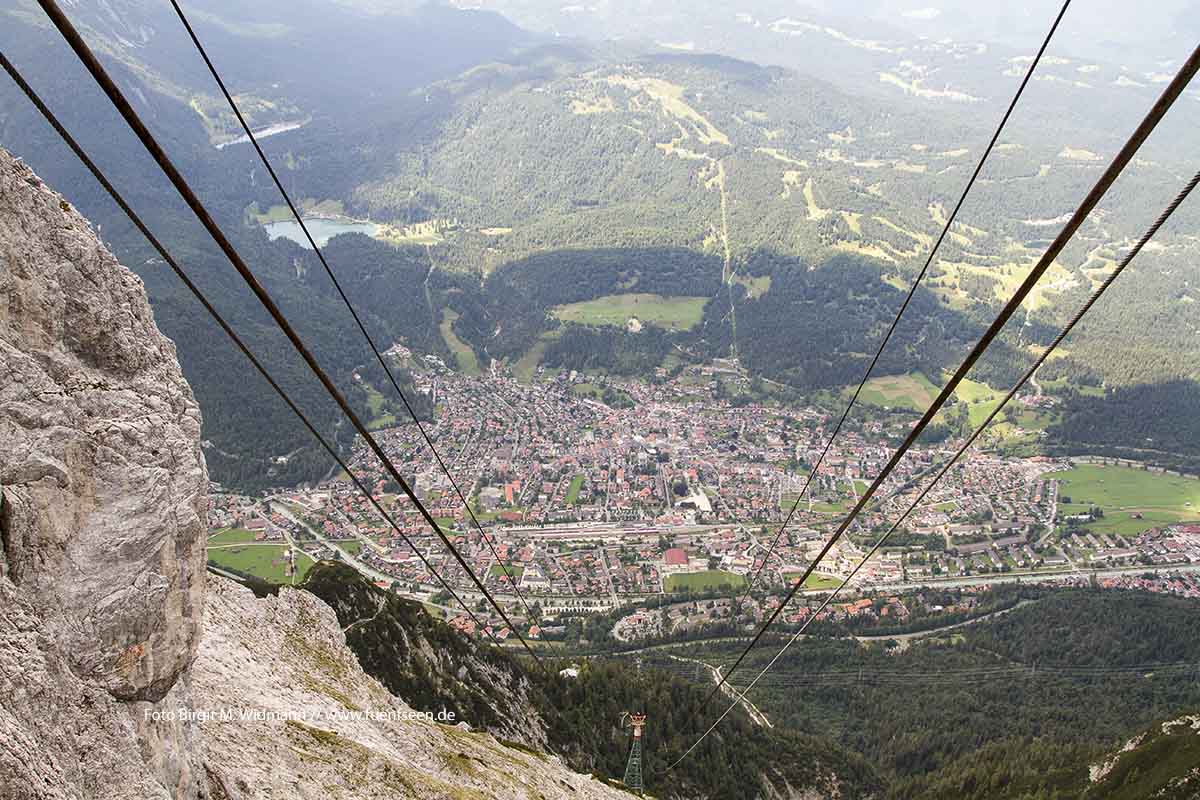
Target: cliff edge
[{"x": 102, "y": 515}]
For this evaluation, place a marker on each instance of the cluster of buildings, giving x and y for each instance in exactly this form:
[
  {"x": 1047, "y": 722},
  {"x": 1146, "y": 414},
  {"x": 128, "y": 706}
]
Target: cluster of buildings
[{"x": 585, "y": 507}]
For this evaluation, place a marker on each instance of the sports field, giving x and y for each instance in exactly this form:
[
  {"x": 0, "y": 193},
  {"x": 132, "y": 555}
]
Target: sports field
[
  {"x": 709, "y": 579},
  {"x": 671, "y": 312}
]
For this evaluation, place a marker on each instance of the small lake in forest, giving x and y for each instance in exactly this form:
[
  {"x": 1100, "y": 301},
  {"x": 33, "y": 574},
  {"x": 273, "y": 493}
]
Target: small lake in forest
[{"x": 322, "y": 229}]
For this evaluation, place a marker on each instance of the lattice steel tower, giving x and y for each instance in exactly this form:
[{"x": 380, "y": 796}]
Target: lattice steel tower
[{"x": 633, "y": 770}]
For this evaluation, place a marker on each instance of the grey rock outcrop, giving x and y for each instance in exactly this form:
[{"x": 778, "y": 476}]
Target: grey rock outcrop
[
  {"x": 302, "y": 719},
  {"x": 103, "y": 497}
]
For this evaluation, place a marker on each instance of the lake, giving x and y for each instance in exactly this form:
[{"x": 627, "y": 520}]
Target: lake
[
  {"x": 263, "y": 133},
  {"x": 322, "y": 229}
]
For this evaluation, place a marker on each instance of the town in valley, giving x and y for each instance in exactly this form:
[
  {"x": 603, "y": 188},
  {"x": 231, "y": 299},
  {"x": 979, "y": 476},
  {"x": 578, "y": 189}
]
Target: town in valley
[{"x": 663, "y": 498}]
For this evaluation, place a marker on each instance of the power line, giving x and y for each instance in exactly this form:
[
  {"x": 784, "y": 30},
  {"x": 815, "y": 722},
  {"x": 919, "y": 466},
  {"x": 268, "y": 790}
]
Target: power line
[
  {"x": 911, "y": 292},
  {"x": 1120, "y": 161},
  {"x": 88, "y": 58},
  {"x": 1177, "y": 85},
  {"x": 959, "y": 676},
  {"x": 86, "y": 160},
  {"x": 346, "y": 300}
]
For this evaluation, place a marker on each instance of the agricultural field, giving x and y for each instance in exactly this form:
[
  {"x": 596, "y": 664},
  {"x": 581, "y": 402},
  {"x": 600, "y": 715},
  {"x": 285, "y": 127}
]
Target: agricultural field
[
  {"x": 463, "y": 354},
  {"x": 1131, "y": 523},
  {"x": 980, "y": 398},
  {"x": 709, "y": 579},
  {"x": 381, "y": 417},
  {"x": 670, "y": 312},
  {"x": 912, "y": 391},
  {"x": 916, "y": 392},
  {"x": 1123, "y": 492},
  {"x": 266, "y": 561}
]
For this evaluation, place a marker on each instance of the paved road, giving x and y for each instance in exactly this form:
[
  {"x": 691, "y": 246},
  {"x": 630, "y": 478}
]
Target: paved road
[
  {"x": 370, "y": 572},
  {"x": 756, "y": 715}
]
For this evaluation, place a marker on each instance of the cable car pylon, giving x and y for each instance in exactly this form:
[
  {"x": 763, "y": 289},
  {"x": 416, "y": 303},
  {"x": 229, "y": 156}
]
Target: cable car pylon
[{"x": 633, "y": 769}]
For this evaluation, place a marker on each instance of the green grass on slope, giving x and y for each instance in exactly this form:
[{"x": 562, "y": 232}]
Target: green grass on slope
[
  {"x": 463, "y": 354},
  {"x": 1167, "y": 767},
  {"x": 671, "y": 312}
]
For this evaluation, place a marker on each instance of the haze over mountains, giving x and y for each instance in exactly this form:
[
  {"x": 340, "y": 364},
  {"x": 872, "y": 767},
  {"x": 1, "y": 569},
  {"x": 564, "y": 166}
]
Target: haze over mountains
[{"x": 515, "y": 171}]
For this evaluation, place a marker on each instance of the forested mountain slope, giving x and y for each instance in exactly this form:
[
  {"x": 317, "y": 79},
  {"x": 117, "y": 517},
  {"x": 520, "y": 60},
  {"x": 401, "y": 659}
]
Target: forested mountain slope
[
  {"x": 270, "y": 50},
  {"x": 577, "y": 717},
  {"x": 1018, "y": 705}
]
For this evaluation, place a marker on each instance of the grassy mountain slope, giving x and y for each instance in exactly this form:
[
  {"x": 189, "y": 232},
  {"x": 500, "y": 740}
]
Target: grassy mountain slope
[{"x": 1163, "y": 762}]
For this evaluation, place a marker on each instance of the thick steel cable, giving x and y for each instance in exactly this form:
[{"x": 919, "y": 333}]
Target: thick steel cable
[
  {"x": 1170, "y": 94},
  {"x": 908, "y": 299},
  {"x": 133, "y": 120},
  {"x": 346, "y": 300},
  {"x": 1137, "y": 248},
  {"x": 86, "y": 160}
]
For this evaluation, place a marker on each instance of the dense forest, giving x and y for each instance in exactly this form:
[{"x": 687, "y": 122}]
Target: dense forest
[
  {"x": 1017, "y": 705},
  {"x": 1143, "y": 421},
  {"x": 1013, "y": 706}
]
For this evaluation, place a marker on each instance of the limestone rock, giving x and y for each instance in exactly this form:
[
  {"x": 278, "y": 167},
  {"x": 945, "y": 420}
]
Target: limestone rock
[
  {"x": 302, "y": 720},
  {"x": 102, "y": 512}
]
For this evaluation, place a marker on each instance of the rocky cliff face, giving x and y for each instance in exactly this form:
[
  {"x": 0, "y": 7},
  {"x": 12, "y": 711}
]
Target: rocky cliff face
[
  {"x": 102, "y": 516},
  {"x": 316, "y": 726}
]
